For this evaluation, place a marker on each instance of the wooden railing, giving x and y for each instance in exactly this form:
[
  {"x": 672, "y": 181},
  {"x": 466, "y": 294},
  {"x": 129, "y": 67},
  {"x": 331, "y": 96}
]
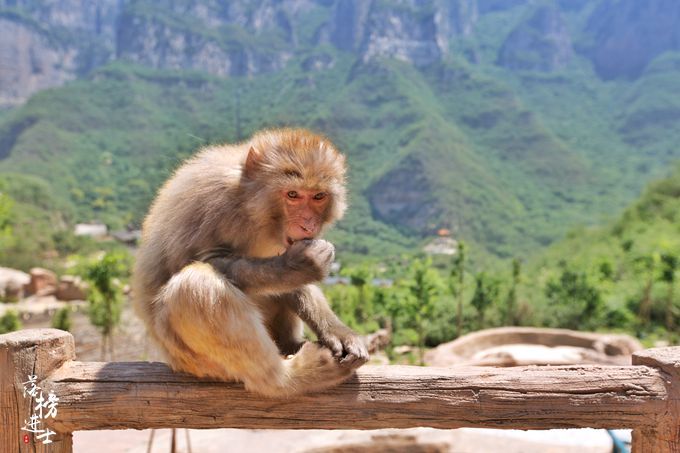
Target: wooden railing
[{"x": 98, "y": 395}]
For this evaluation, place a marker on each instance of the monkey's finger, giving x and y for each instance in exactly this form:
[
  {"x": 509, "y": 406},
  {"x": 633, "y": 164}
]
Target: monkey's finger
[
  {"x": 352, "y": 361},
  {"x": 362, "y": 357},
  {"x": 357, "y": 347},
  {"x": 348, "y": 360},
  {"x": 356, "y": 354},
  {"x": 334, "y": 344},
  {"x": 327, "y": 256}
]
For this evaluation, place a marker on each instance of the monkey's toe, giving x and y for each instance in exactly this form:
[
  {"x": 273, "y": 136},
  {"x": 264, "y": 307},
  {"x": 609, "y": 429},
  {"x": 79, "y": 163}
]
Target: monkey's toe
[
  {"x": 353, "y": 360},
  {"x": 356, "y": 356}
]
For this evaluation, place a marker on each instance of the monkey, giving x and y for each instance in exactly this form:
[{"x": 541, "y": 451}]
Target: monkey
[{"x": 226, "y": 271}]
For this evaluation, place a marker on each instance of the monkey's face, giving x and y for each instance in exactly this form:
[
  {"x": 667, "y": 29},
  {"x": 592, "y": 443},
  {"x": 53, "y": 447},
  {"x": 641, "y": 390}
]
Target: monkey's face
[
  {"x": 293, "y": 184},
  {"x": 304, "y": 212}
]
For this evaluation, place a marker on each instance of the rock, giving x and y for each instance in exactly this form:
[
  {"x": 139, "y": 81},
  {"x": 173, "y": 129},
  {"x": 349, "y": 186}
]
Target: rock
[
  {"x": 348, "y": 24},
  {"x": 43, "y": 282},
  {"x": 518, "y": 346},
  {"x": 455, "y": 19},
  {"x": 12, "y": 284},
  {"x": 402, "y": 34},
  {"x": 71, "y": 288},
  {"x": 43, "y": 66},
  {"x": 415, "y": 32},
  {"x": 540, "y": 43},
  {"x": 50, "y": 43},
  {"x": 625, "y": 36},
  {"x": 377, "y": 340},
  {"x": 221, "y": 45}
]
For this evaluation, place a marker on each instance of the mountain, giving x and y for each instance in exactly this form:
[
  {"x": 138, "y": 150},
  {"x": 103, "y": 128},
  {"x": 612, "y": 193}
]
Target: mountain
[
  {"x": 631, "y": 262},
  {"x": 506, "y": 122}
]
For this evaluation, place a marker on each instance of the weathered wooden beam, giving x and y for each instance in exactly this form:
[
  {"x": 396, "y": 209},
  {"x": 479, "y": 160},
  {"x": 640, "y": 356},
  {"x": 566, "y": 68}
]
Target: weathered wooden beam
[
  {"x": 149, "y": 395},
  {"x": 141, "y": 395}
]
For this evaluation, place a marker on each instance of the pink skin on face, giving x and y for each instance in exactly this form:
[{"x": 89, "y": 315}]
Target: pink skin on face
[{"x": 304, "y": 209}]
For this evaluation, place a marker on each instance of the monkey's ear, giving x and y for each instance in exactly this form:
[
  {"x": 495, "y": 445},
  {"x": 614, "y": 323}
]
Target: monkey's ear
[{"x": 253, "y": 162}]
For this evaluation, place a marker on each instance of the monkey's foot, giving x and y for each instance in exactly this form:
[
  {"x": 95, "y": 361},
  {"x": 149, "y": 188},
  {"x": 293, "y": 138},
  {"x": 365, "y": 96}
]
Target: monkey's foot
[
  {"x": 346, "y": 346},
  {"x": 314, "y": 368}
]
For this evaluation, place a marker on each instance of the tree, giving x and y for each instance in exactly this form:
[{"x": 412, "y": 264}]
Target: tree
[
  {"x": 9, "y": 322},
  {"x": 422, "y": 289},
  {"x": 457, "y": 285},
  {"x": 511, "y": 300},
  {"x": 62, "y": 319},
  {"x": 669, "y": 266},
  {"x": 648, "y": 265},
  {"x": 6, "y": 235},
  {"x": 486, "y": 291},
  {"x": 575, "y": 303},
  {"x": 105, "y": 297},
  {"x": 360, "y": 278}
]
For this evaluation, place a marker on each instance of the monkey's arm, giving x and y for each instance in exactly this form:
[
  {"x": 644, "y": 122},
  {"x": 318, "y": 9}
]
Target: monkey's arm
[
  {"x": 312, "y": 307},
  {"x": 304, "y": 262}
]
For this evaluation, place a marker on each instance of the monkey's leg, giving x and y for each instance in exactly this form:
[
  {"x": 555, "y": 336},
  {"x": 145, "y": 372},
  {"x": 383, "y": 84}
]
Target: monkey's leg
[
  {"x": 312, "y": 307},
  {"x": 225, "y": 337},
  {"x": 286, "y": 329}
]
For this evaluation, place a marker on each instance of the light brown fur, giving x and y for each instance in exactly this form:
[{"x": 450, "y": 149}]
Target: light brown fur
[{"x": 215, "y": 282}]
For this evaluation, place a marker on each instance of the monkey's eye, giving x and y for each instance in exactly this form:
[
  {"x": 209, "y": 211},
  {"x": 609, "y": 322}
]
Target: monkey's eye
[
  {"x": 320, "y": 196},
  {"x": 292, "y": 194}
]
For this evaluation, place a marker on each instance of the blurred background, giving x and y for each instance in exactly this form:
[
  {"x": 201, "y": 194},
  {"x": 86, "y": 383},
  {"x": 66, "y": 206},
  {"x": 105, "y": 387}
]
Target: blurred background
[{"x": 512, "y": 162}]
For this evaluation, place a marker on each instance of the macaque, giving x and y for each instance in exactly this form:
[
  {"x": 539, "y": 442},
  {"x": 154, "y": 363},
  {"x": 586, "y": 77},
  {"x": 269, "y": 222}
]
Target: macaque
[{"x": 230, "y": 251}]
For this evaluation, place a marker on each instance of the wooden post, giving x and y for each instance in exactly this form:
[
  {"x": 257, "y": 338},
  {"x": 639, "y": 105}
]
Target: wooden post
[
  {"x": 665, "y": 437},
  {"x": 35, "y": 352}
]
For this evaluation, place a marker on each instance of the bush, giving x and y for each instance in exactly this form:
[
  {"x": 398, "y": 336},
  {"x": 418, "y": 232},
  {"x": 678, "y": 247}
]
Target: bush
[
  {"x": 62, "y": 319},
  {"x": 10, "y": 322}
]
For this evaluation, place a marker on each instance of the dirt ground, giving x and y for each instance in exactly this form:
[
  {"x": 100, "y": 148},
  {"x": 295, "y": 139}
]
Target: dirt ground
[
  {"x": 130, "y": 344},
  {"x": 465, "y": 440}
]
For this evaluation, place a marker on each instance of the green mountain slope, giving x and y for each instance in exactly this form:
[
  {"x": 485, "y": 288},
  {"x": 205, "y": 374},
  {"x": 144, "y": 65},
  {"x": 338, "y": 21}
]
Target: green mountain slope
[
  {"x": 632, "y": 263},
  {"x": 505, "y": 139}
]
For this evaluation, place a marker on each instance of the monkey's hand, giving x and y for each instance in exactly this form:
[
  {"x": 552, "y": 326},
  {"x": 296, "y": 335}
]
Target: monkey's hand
[
  {"x": 346, "y": 346},
  {"x": 310, "y": 257}
]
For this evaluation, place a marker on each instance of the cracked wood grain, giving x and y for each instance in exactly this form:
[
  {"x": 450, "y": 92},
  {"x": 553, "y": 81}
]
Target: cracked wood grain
[
  {"x": 112, "y": 395},
  {"x": 140, "y": 395}
]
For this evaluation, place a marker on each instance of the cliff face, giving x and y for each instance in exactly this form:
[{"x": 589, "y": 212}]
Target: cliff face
[
  {"x": 235, "y": 38},
  {"x": 625, "y": 35},
  {"x": 32, "y": 64},
  {"x": 398, "y": 31},
  {"x": 541, "y": 42},
  {"x": 45, "y": 44},
  {"x": 413, "y": 31},
  {"x": 50, "y": 42}
]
